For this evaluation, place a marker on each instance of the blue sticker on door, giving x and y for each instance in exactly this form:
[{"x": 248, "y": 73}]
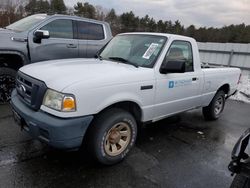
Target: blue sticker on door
[
  {"x": 179, "y": 83},
  {"x": 171, "y": 84}
]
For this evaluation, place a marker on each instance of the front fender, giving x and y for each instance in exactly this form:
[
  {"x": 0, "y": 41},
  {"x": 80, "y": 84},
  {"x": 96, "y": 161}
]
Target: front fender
[
  {"x": 117, "y": 98},
  {"x": 93, "y": 101},
  {"x": 24, "y": 58}
]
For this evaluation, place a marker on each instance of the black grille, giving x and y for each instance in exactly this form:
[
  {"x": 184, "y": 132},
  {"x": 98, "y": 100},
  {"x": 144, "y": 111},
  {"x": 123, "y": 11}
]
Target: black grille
[{"x": 30, "y": 90}]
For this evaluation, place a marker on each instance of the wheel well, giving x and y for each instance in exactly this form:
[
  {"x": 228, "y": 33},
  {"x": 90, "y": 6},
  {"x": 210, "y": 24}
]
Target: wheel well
[
  {"x": 129, "y": 106},
  {"x": 225, "y": 88},
  {"x": 13, "y": 61}
]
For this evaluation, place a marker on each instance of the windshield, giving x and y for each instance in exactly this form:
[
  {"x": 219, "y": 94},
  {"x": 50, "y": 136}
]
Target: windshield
[
  {"x": 25, "y": 23},
  {"x": 139, "y": 50}
]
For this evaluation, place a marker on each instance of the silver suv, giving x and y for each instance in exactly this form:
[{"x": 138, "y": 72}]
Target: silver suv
[{"x": 43, "y": 37}]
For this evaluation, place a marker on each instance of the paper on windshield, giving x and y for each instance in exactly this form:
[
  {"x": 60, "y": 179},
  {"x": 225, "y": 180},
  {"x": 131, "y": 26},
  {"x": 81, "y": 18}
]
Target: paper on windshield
[{"x": 151, "y": 49}]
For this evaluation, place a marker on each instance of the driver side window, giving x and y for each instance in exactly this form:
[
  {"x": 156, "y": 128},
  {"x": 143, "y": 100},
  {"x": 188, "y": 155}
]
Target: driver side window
[
  {"x": 60, "y": 29},
  {"x": 179, "y": 51}
]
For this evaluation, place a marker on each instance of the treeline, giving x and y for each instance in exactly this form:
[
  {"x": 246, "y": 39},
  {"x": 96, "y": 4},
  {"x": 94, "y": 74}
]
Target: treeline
[{"x": 126, "y": 22}]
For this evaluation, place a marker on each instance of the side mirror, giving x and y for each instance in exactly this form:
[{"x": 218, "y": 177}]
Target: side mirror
[
  {"x": 173, "y": 67},
  {"x": 241, "y": 145},
  {"x": 40, "y": 34},
  {"x": 238, "y": 154}
]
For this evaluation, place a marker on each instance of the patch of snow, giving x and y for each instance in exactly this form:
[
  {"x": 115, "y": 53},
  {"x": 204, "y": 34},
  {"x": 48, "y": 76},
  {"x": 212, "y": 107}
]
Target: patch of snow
[{"x": 243, "y": 93}]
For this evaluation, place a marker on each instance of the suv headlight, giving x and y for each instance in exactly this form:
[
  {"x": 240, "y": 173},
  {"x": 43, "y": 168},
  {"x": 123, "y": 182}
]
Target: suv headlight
[{"x": 59, "y": 101}]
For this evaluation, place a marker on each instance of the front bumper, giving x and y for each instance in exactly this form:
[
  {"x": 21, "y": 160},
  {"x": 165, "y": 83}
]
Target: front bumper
[{"x": 62, "y": 133}]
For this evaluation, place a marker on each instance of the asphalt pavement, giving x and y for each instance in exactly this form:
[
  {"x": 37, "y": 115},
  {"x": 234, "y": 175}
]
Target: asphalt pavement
[{"x": 182, "y": 151}]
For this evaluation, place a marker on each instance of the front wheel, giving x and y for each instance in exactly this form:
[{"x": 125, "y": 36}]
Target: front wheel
[
  {"x": 7, "y": 84},
  {"x": 112, "y": 136},
  {"x": 216, "y": 106},
  {"x": 240, "y": 182}
]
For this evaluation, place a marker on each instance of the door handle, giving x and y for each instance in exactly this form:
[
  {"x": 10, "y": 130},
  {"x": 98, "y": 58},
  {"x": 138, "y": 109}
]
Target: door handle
[
  {"x": 71, "y": 46},
  {"x": 146, "y": 87},
  {"x": 194, "y": 79}
]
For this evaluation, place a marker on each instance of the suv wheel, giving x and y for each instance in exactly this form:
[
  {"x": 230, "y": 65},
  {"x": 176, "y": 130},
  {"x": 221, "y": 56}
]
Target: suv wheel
[{"x": 7, "y": 84}]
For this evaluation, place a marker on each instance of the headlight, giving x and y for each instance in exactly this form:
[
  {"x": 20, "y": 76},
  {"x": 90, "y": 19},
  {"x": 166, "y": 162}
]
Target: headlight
[{"x": 59, "y": 101}]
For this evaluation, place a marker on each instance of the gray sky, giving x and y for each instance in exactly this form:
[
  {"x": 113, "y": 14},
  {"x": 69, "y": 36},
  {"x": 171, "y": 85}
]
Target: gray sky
[{"x": 216, "y": 13}]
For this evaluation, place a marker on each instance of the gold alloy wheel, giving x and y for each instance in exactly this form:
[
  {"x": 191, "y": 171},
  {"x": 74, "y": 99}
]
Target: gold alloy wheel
[{"x": 117, "y": 139}]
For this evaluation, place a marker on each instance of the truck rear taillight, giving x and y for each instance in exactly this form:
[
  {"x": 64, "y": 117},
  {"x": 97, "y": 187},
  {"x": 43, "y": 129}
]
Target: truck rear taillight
[{"x": 239, "y": 79}]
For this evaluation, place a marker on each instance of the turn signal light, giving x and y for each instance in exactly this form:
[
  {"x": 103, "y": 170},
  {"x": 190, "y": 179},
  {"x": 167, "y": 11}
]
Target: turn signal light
[{"x": 69, "y": 104}]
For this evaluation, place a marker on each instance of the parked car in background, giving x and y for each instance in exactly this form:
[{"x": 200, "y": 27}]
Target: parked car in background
[
  {"x": 43, "y": 37},
  {"x": 138, "y": 78},
  {"x": 240, "y": 164}
]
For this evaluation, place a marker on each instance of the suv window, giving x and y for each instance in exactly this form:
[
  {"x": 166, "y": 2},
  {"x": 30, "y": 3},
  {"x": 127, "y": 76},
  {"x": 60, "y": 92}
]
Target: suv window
[
  {"x": 60, "y": 29},
  {"x": 181, "y": 50},
  {"x": 90, "y": 31}
]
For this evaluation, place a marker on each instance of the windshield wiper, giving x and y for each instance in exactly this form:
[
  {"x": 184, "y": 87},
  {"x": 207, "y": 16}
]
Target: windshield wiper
[{"x": 122, "y": 60}]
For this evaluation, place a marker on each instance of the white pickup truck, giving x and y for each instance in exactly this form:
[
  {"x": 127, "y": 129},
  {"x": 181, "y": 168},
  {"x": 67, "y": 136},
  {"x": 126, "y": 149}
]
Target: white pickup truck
[{"x": 136, "y": 78}]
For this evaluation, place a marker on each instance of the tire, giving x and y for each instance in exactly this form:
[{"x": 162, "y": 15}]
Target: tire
[
  {"x": 216, "y": 106},
  {"x": 240, "y": 182},
  {"x": 7, "y": 84},
  {"x": 105, "y": 140}
]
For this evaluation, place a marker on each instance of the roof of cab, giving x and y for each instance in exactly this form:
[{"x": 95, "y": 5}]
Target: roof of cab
[
  {"x": 73, "y": 16},
  {"x": 168, "y": 35}
]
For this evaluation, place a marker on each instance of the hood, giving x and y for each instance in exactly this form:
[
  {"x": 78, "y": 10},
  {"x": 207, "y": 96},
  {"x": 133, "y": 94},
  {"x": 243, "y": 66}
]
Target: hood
[
  {"x": 3, "y": 31},
  {"x": 9, "y": 39},
  {"x": 60, "y": 74}
]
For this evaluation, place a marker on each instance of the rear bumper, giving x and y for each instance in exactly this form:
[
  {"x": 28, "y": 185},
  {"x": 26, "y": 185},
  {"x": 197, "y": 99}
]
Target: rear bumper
[
  {"x": 62, "y": 133},
  {"x": 231, "y": 94}
]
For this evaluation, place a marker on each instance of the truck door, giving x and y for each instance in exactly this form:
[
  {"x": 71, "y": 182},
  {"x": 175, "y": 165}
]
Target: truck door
[
  {"x": 176, "y": 92},
  {"x": 91, "y": 38},
  {"x": 60, "y": 45}
]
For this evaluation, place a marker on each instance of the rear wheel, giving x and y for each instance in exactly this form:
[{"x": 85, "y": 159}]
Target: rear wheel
[
  {"x": 112, "y": 135},
  {"x": 7, "y": 84},
  {"x": 216, "y": 106},
  {"x": 240, "y": 182}
]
